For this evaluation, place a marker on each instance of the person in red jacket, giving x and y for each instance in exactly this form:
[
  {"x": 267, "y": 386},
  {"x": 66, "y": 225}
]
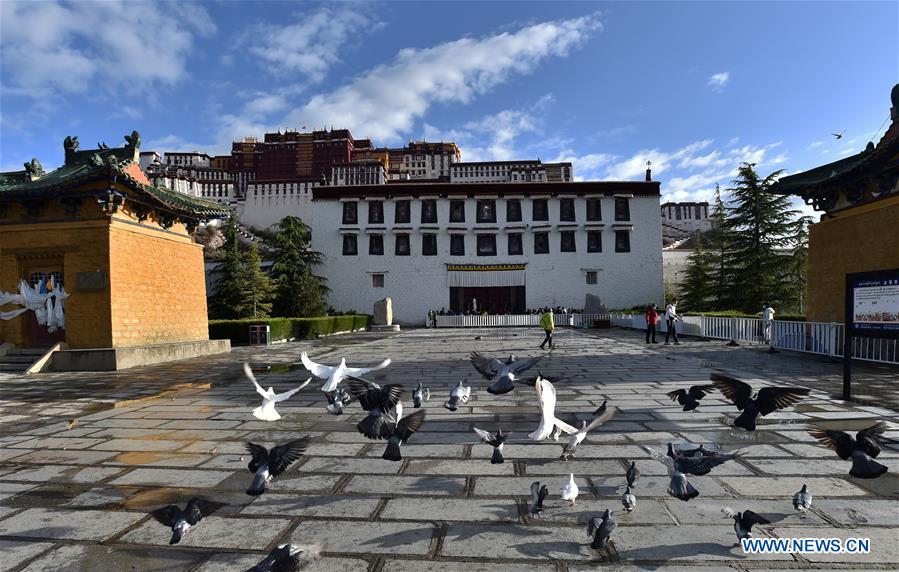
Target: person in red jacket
[{"x": 652, "y": 318}]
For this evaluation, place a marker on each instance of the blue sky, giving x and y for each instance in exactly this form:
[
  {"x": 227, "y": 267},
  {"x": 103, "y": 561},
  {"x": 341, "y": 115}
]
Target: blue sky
[{"x": 694, "y": 87}]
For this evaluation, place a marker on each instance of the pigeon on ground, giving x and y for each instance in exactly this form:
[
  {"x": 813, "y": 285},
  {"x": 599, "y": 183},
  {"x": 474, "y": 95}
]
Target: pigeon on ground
[
  {"x": 383, "y": 406},
  {"x": 333, "y": 375},
  {"x": 288, "y": 558},
  {"x": 496, "y": 441},
  {"x": 420, "y": 394},
  {"x": 180, "y": 521},
  {"x": 502, "y": 374},
  {"x": 578, "y": 437},
  {"x": 744, "y": 521},
  {"x": 570, "y": 490},
  {"x": 546, "y": 397},
  {"x": 689, "y": 398},
  {"x": 632, "y": 474},
  {"x": 600, "y": 528},
  {"x": 767, "y": 401},
  {"x": 602, "y": 408},
  {"x": 337, "y": 400},
  {"x": 268, "y": 464},
  {"x": 538, "y": 495},
  {"x": 403, "y": 429},
  {"x": 628, "y": 500},
  {"x": 862, "y": 450},
  {"x": 458, "y": 394},
  {"x": 802, "y": 500},
  {"x": 266, "y": 411},
  {"x": 72, "y": 423}
]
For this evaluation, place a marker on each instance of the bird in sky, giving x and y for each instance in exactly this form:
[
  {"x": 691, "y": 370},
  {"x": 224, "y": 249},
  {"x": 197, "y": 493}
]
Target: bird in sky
[
  {"x": 383, "y": 406},
  {"x": 768, "y": 399},
  {"x": 546, "y": 398},
  {"x": 180, "y": 521},
  {"x": 267, "y": 464},
  {"x": 689, "y": 398},
  {"x": 333, "y": 375},
  {"x": 744, "y": 521},
  {"x": 403, "y": 429},
  {"x": 862, "y": 450},
  {"x": 496, "y": 441},
  {"x": 502, "y": 374},
  {"x": 266, "y": 411},
  {"x": 288, "y": 558},
  {"x": 600, "y": 528},
  {"x": 838, "y": 135}
]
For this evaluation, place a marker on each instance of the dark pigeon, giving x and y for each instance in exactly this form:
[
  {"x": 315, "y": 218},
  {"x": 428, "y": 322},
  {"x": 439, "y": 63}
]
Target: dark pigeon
[
  {"x": 180, "y": 521},
  {"x": 689, "y": 398},
  {"x": 768, "y": 399},
  {"x": 401, "y": 433},
  {"x": 538, "y": 495},
  {"x": 288, "y": 558},
  {"x": 600, "y": 529},
  {"x": 744, "y": 521},
  {"x": 862, "y": 450},
  {"x": 632, "y": 474},
  {"x": 383, "y": 406},
  {"x": 496, "y": 441},
  {"x": 266, "y": 465},
  {"x": 698, "y": 464}
]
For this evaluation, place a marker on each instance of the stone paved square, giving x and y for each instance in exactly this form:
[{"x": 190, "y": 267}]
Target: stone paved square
[{"x": 80, "y": 498}]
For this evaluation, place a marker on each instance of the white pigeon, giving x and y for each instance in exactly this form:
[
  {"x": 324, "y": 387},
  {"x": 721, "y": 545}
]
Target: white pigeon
[
  {"x": 546, "y": 396},
  {"x": 459, "y": 393},
  {"x": 581, "y": 434},
  {"x": 333, "y": 375},
  {"x": 266, "y": 411},
  {"x": 570, "y": 490}
]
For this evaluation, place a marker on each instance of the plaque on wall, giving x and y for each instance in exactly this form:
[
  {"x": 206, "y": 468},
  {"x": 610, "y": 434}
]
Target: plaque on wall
[{"x": 90, "y": 282}]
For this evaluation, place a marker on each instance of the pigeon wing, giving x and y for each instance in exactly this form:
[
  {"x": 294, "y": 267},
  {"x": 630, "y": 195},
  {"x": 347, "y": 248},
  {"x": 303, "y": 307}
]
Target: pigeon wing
[
  {"x": 570, "y": 429},
  {"x": 773, "y": 398},
  {"x": 390, "y": 395},
  {"x": 749, "y": 519},
  {"x": 366, "y": 392},
  {"x": 842, "y": 443},
  {"x": 869, "y": 439},
  {"x": 410, "y": 425},
  {"x": 288, "y": 394},
  {"x": 316, "y": 369},
  {"x": 166, "y": 515},
  {"x": 488, "y": 367},
  {"x": 522, "y": 365},
  {"x": 357, "y": 371},
  {"x": 259, "y": 456},
  {"x": 600, "y": 419},
  {"x": 249, "y": 373},
  {"x": 486, "y": 436},
  {"x": 535, "y": 493},
  {"x": 198, "y": 508},
  {"x": 700, "y": 391},
  {"x": 282, "y": 456},
  {"x": 664, "y": 459},
  {"x": 676, "y": 393},
  {"x": 734, "y": 390},
  {"x": 700, "y": 464},
  {"x": 593, "y": 525}
]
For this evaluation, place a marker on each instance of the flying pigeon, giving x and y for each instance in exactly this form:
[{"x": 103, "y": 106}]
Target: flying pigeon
[
  {"x": 689, "y": 398},
  {"x": 538, "y": 495},
  {"x": 337, "y": 400},
  {"x": 678, "y": 487},
  {"x": 420, "y": 394},
  {"x": 632, "y": 474},
  {"x": 458, "y": 393},
  {"x": 268, "y": 464},
  {"x": 288, "y": 558},
  {"x": 628, "y": 500},
  {"x": 862, "y": 450},
  {"x": 838, "y": 135},
  {"x": 383, "y": 406},
  {"x": 403, "y": 429},
  {"x": 698, "y": 464},
  {"x": 266, "y": 411},
  {"x": 333, "y": 375},
  {"x": 502, "y": 374},
  {"x": 768, "y": 399},
  {"x": 600, "y": 529},
  {"x": 675, "y": 451},
  {"x": 744, "y": 521},
  {"x": 180, "y": 521},
  {"x": 601, "y": 409},
  {"x": 546, "y": 397},
  {"x": 570, "y": 490},
  {"x": 578, "y": 437},
  {"x": 802, "y": 500},
  {"x": 497, "y": 441}
]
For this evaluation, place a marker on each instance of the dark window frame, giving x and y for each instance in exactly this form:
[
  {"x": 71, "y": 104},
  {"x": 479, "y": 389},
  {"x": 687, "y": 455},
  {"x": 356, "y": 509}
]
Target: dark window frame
[
  {"x": 622, "y": 245},
  {"x": 492, "y": 210},
  {"x": 623, "y": 209},
  {"x": 457, "y": 214},
  {"x": 372, "y": 242},
  {"x": 375, "y": 279},
  {"x": 428, "y": 251},
  {"x": 594, "y": 275},
  {"x": 402, "y": 238},
  {"x": 513, "y": 210},
  {"x": 428, "y": 211},
  {"x": 544, "y": 207},
  {"x": 564, "y": 236},
  {"x": 597, "y": 247},
  {"x": 594, "y": 209},
  {"x": 402, "y": 212},
  {"x": 376, "y": 212},
  {"x": 520, "y": 250},
  {"x": 541, "y": 243},
  {"x": 456, "y": 240},
  {"x": 492, "y": 244},
  {"x": 349, "y": 239},
  {"x": 566, "y": 210},
  {"x": 351, "y": 208}
]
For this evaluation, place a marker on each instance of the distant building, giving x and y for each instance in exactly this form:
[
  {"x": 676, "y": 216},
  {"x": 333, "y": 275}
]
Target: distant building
[
  {"x": 524, "y": 171},
  {"x": 682, "y": 220}
]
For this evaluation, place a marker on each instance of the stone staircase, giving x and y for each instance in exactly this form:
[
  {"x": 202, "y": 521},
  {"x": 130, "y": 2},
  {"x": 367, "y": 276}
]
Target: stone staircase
[{"x": 17, "y": 360}]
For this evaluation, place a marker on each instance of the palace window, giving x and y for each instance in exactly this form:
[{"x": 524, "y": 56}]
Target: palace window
[
  {"x": 457, "y": 244},
  {"x": 376, "y": 212},
  {"x": 377, "y": 280},
  {"x": 540, "y": 210},
  {"x": 457, "y": 211},
  {"x": 429, "y": 245},
  {"x": 594, "y": 241},
  {"x": 401, "y": 213},
  {"x": 513, "y": 210},
  {"x": 541, "y": 243},
  {"x": 594, "y": 209},
  {"x": 568, "y": 244},
  {"x": 350, "y": 212},
  {"x": 515, "y": 247},
  {"x": 350, "y": 245},
  {"x": 402, "y": 245},
  {"x": 623, "y": 209},
  {"x": 486, "y": 211},
  {"x": 486, "y": 245},
  {"x": 622, "y": 241},
  {"x": 698, "y": 212},
  {"x": 428, "y": 211},
  {"x": 376, "y": 244},
  {"x": 566, "y": 210},
  {"x": 591, "y": 277}
]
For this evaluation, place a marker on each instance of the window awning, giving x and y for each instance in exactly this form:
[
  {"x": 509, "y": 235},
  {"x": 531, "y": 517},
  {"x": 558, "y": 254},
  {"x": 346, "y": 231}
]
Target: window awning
[{"x": 485, "y": 275}]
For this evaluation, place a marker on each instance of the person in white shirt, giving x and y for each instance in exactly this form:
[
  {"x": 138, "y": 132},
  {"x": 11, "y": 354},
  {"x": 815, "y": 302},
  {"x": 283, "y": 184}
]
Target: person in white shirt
[
  {"x": 767, "y": 319},
  {"x": 671, "y": 318}
]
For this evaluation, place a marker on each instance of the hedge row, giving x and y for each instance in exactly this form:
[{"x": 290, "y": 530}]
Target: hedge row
[{"x": 238, "y": 331}]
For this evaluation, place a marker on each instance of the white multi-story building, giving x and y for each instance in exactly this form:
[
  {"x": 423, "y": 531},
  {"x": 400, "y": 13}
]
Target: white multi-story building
[
  {"x": 189, "y": 173},
  {"x": 525, "y": 171},
  {"x": 509, "y": 247},
  {"x": 360, "y": 172},
  {"x": 267, "y": 202},
  {"x": 682, "y": 220},
  {"x": 423, "y": 160}
]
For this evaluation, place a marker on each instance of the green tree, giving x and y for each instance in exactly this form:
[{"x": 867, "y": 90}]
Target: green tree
[
  {"x": 258, "y": 289},
  {"x": 760, "y": 225},
  {"x": 798, "y": 265},
  {"x": 697, "y": 290},
  {"x": 226, "y": 302},
  {"x": 300, "y": 293},
  {"x": 718, "y": 239}
]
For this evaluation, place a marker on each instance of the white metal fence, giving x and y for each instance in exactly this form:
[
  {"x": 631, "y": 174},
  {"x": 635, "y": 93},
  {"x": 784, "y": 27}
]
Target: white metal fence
[{"x": 512, "y": 320}]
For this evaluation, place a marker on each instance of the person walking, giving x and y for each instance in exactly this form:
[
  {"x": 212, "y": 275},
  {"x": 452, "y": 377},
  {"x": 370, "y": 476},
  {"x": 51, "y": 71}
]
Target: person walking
[
  {"x": 546, "y": 322},
  {"x": 671, "y": 321},
  {"x": 767, "y": 320},
  {"x": 652, "y": 318}
]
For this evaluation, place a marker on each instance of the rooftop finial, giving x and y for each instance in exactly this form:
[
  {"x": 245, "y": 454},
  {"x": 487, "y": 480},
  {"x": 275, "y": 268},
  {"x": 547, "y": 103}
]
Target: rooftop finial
[{"x": 649, "y": 170}]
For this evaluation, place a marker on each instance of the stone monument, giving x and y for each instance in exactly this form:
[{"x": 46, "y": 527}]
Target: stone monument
[
  {"x": 382, "y": 317},
  {"x": 593, "y": 305}
]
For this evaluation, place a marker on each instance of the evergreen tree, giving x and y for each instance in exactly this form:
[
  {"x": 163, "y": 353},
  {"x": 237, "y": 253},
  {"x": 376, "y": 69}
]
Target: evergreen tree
[
  {"x": 760, "y": 224},
  {"x": 798, "y": 265},
  {"x": 258, "y": 290},
  {"x": 226, "y": 301},
  {"x": 300, "y": 293},
  {"x": 718, "y": 238},
  {"x": 697, "y": 291}
]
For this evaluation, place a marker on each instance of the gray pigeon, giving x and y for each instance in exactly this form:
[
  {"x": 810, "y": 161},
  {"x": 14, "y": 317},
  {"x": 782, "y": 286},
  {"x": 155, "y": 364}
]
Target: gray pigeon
[
  {"x": 383, "y": 406},
  {"x": 632, "y": 474},
  {"x": 419, "y": 395},
  {"x": 266, "y": 465},
  {"x": 628, "y": 500},
  {"x": 802, "y": 500},
  {"x": 698, "y": 464},
  {"x": 600, "y": 529},
  {"x": 768, "y": 399},
  {"x": 689, "y": 398},
  {"x": 578, "y": 437},
  {"x": 337, "y": 400},
  {"x": 744, "y": 521},
  {"x": 403, "y": 429},
  {"x": 288, "y": 558},
  {"x": 496, "y": 441},
  {"x": 538, "y": 495},
  {"x": 459, "y": 393},
  {"x": 862, "y": 450},
  {"x": 678, "y": 486},
  {"x": 180, "y": 521},
  {"x": 503, "y": 374}
]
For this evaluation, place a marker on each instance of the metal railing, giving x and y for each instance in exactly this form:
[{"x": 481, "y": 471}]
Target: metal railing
[{"x": 518, "y": 320}]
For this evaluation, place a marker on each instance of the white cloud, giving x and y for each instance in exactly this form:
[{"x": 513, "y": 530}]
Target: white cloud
[
  {"x": 173, "y": 143},
  {"x": 386, "y": 101},
  {"x": 814, "y": 144},
  {"x": 51, "y": 48},
  {"x": 719, "y": 80}
]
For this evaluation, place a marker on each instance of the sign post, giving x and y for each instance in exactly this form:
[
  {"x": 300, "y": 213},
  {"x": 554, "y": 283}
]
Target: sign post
[{"x": 871, "y": 310}]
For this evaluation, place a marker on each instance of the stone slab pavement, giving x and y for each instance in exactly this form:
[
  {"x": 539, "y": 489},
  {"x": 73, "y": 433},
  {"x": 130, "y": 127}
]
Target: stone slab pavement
[{"x": 77, "y": 496}]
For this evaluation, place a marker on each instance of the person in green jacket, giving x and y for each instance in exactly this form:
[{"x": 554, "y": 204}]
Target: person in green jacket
[{"x": 546, "y": 322}]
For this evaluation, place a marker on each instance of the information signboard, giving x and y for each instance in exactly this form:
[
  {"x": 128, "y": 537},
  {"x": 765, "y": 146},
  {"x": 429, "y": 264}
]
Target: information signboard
[{"x": 871, "y": 311}]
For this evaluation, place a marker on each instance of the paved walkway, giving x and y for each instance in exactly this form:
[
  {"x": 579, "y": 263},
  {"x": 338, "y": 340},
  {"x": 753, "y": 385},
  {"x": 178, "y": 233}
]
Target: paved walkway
[{"x": 78, "y": 498}]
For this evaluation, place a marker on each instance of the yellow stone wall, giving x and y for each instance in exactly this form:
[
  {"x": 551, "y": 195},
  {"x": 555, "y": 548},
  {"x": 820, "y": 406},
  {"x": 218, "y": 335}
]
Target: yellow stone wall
[{"x": 858, "y": 239}]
